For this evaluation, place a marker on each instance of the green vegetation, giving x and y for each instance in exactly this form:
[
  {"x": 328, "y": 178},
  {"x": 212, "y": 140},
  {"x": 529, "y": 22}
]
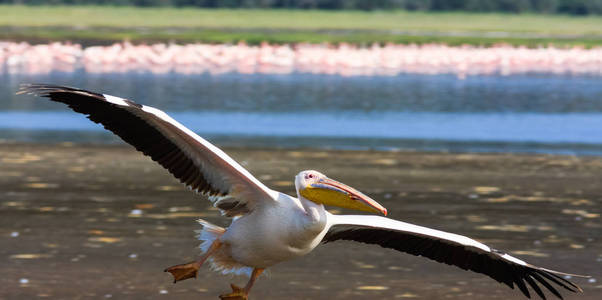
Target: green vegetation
[
  {"x": 104, "y": 24},
  {"x": 116, "y": 16},
  {"x": 575, "y": 7}
]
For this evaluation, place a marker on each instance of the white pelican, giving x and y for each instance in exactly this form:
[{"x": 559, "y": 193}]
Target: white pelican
[{"x": 269, "y": 227}]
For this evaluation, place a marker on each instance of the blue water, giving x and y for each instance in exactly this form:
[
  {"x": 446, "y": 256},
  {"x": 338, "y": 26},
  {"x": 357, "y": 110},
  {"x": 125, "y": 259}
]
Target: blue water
[{"x": 544, "y": 114}]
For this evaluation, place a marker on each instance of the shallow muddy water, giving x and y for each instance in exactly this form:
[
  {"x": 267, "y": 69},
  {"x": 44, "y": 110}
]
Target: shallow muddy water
[{"x": 90, "y": 222}]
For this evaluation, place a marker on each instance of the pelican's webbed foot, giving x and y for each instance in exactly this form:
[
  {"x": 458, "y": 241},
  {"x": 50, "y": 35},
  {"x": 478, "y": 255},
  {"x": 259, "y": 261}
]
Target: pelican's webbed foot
[
  {"x": 237, "y": 294},
  {"x": 184, "y": 271},
  {"x": 190, "y": 270}
]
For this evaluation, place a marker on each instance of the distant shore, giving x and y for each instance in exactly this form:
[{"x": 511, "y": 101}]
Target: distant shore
[{"x": 102, "y": 25}]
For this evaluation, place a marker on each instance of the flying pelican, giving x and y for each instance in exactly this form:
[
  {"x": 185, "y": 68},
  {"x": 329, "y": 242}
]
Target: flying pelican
[{"x": 269, "y": 227}]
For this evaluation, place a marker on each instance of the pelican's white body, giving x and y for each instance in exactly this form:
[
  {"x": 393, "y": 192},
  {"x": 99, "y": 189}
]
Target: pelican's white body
[{"x": 277, "y": 232}]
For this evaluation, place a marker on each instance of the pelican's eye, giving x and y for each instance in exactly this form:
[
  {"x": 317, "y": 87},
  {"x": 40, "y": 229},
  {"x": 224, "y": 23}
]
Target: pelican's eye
[{"x": 310, "y": 176}]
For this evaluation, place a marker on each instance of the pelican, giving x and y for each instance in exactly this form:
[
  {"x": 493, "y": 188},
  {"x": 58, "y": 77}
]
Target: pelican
[{"x": 269, "y": 227}]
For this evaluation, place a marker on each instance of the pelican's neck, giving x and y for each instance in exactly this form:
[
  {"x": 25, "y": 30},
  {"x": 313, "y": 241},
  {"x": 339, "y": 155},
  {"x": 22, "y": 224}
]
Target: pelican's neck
[{"x": 315, "y": 211}]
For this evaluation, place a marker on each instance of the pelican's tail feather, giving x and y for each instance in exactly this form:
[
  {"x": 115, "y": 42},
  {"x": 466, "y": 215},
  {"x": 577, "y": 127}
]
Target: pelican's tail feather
[
  {"x": 221, "y": 260},
  {"x": 208, "y": 234}
]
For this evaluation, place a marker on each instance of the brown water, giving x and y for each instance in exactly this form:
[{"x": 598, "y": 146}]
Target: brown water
[{"x": 103, "y": 222}]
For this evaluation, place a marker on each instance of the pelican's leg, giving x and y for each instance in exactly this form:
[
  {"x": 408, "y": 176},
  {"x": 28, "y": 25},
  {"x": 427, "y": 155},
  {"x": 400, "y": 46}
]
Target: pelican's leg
[
  {"x": 242, "y": 293},
  {"x": 189, "y": 270}
]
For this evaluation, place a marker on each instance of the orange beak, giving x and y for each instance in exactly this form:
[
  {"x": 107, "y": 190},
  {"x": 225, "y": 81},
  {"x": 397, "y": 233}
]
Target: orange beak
[{"x": 331, "y": 192}]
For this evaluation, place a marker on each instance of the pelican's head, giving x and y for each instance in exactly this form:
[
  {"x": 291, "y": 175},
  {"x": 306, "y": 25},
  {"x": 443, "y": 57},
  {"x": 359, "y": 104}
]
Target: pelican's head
[{"x": 316, "y": 187}]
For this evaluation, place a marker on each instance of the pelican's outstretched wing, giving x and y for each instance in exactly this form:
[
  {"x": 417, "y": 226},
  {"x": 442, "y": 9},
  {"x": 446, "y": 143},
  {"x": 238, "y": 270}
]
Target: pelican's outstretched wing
[
  {"x": 193, "y": 160},
  {"x": 448, "y": 248}
]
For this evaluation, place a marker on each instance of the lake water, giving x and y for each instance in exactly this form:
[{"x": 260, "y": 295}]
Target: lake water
[{"x": 536, "y": 113}]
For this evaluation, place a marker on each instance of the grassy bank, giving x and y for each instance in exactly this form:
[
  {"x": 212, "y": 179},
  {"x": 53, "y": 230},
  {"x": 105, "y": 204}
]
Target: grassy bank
[{"x": 95, "y": 24}]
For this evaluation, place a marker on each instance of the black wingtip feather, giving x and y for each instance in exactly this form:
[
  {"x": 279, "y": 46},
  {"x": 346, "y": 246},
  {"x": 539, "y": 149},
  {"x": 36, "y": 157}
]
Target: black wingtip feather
[
  {"x": 132, "y": 128},
  {"x": 534, "y": 286},
  {"x": 46, "y": 90},
  {"x": 546, "y": 284},
  {"x": 445, "y": 251},
  {"x": 556, "y": 281}
]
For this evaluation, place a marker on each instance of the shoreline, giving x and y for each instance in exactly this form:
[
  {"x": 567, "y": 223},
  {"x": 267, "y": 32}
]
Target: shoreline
[{"x": 100, "y": 138}]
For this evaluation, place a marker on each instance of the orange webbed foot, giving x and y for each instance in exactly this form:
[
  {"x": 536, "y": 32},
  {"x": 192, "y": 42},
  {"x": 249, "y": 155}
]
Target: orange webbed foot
[
  {"x": 237, "y": 294},
  {"x": 183, "y": 271}
]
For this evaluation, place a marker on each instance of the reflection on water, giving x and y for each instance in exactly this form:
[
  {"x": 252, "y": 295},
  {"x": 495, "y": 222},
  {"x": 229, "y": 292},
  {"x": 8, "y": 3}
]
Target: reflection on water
[{"x": 519, "y": 113}]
